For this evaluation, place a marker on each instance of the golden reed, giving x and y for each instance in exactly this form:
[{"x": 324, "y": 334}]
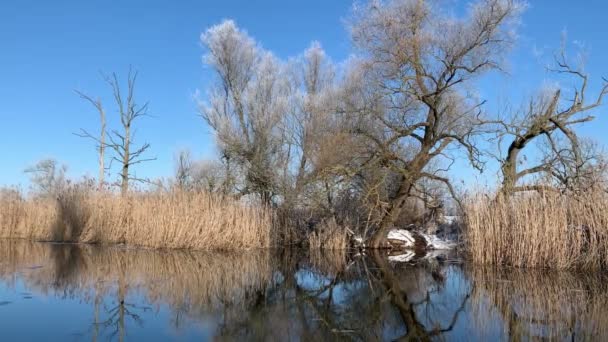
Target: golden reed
[
  {"x": 539, "y": 230},
  {"x": 161, "y": 220}
]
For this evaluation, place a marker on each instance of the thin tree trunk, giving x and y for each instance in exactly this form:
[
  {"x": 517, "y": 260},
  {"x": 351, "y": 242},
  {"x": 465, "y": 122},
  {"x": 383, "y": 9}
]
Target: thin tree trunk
[
  {"x": 125, "y": 163},
  {"x": 102, "y": 149}
]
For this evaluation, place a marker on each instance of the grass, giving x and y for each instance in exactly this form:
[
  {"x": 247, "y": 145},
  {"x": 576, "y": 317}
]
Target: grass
[
  {"x": 161, "y": 220},
  {"x": 539, "y": 230}
]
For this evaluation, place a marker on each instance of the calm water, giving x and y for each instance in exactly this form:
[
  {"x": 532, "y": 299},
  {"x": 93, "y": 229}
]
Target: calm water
[{"x": 54, "y": 292}]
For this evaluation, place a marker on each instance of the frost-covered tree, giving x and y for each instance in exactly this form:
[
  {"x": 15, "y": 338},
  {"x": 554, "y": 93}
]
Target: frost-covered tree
[
  {"x": 246, "y": 106},
  {"x": 47, "y": 177}
]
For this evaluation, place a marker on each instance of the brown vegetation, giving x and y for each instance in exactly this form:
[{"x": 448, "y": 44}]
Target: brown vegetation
[
  {"x": 329, "y": 235},
  {"x": 352, "y": 149},
  {"x": 539, "y": 230},
  {"x": 164, "y": 220}
]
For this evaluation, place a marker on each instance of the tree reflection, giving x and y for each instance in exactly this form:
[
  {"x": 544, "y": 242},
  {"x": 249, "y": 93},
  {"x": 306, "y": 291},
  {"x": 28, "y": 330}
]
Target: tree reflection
[
  {"x": 294, "y": 295},
  {"x": 118, "y": 311}
]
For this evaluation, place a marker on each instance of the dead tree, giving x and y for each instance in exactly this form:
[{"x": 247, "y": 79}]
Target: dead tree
[
  {"x": 408, "y": 95},
  {"x": 101, "y": 140},
  {"x": 121, "y": 141},
  {"x": 551, "y": 117}
]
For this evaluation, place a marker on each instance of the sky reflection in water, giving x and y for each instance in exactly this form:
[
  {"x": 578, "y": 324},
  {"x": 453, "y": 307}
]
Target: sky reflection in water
[{"x": 70, "y": 292}]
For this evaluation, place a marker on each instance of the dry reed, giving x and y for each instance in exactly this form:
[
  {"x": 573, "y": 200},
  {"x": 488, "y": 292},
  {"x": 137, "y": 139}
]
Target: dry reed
[
  {"x": 539, "y": 230},
  {"x": 329, "y": 235},
  {"x": 161, "y": 220}
]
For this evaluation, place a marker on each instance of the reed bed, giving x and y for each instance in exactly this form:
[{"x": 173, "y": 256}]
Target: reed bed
[
  {"x": 161, "y": 220},
  {"x": 539, "y": 230},
  {"x": 329, "y": 235}
]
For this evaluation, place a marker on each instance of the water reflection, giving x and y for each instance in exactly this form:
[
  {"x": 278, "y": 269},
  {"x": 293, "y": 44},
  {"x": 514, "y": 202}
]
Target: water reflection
[
  {"x": 543, "y": 305},
  {"x": 117, "y": 293}
]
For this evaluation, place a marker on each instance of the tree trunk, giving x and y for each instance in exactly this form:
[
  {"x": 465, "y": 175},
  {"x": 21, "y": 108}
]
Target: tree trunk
[
  {"x": 378, "y": 240},
  {"x": 415, "y": 330},
  {"x": 124, "y": 186},
  {"x": 102, "y": 149},
  {"x": 509, "y": 169}
]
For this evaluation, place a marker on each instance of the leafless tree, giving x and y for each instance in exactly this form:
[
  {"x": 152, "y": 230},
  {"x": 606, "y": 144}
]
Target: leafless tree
[
  {"x": 246, "y": 107},
  {"x": 409, "y": 95},
  {"x": 570, "y": 172},
  {"x": 309, "y": 122},
  {"x": 199, "y": 175},
  {"x": 48, "y": 177},
  {"x": 101, "y": 140},
  {"x": 121, "y": 141},
  {"x": 208, "y": 175},
  {"x": 548, "y": 115},
  {"x": 183, "y": 170}
]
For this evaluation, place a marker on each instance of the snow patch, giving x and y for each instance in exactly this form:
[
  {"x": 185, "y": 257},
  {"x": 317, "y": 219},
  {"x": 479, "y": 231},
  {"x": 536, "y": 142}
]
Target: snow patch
[{"x": 409, "y": 239}]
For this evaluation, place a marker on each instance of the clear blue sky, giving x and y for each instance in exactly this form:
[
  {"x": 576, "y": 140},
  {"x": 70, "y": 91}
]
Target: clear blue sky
[{"x": 50, "y": 48}]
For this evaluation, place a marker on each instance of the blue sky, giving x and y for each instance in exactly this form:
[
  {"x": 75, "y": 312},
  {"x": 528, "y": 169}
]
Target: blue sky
[{"x": 50, "y": 48}]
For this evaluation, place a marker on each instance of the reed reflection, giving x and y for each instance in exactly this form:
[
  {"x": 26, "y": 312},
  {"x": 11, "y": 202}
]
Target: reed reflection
[
  {"x": 295, "y": 295},
  {"x": 530, "y": 305}
]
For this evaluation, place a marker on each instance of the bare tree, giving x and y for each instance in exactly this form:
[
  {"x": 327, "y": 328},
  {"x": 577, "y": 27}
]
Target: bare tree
[
  {"x": 121, "y": 141},
  {"x": 409, "y": 95},
  {"x": 199, "y": 175},
  {"x": 208, "y": 175},
  {"x": 309, "y": 121},
  {"x": 101, "y": 140},
  {"x": 550, "y": 116},
  {"x": 47, "y": 177},
  {"x": 246, "y": 106},
  {"x": 183, "y": 170},
  {"x": 573, "y": 168}
]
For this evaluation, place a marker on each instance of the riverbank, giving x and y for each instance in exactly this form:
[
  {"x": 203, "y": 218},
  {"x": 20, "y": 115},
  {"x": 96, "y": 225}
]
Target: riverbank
[{"x": 531, "y": 230}]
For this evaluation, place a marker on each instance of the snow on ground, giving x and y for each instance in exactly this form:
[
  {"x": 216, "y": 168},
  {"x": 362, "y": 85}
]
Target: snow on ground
[{"x": 409, "y": 239}]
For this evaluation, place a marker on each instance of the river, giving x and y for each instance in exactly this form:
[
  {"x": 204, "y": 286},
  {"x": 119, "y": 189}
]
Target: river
[{"x": 65, "y": 292}]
